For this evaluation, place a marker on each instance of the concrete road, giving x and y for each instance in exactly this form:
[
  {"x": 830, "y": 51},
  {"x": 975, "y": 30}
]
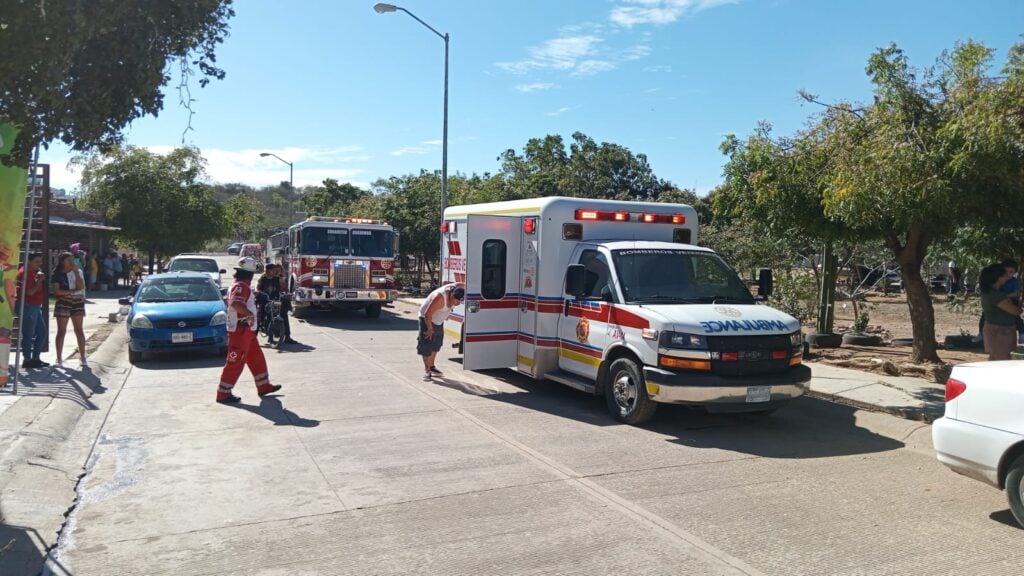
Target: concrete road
[{"x": 359, "y": 467}]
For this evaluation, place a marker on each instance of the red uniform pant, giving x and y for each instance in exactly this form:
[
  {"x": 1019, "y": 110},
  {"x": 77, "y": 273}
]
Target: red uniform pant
[{"x": 243, "y": 350}]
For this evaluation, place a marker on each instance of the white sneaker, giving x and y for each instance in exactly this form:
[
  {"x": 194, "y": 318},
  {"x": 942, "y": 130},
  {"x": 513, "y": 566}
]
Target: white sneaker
[{"x": 426, "y": 376}]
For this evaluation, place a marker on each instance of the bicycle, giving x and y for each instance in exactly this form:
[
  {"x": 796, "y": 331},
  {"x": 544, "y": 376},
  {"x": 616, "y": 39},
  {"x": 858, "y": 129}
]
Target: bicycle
[{"x": 272, "y": 321}]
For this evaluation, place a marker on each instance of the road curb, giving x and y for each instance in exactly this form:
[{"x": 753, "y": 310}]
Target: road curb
[{"x": 917, "y": 415}]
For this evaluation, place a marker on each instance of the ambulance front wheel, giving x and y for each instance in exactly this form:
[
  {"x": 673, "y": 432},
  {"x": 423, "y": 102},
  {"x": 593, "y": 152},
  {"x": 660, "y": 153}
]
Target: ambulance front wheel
[{"x": 626, "y": 393}]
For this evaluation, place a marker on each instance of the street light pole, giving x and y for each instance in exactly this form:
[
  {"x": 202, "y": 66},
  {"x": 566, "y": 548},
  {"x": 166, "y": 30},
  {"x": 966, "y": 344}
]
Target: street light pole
[
  {"x": 382, "y": 8},
  {"x": 291, "y": 168}
]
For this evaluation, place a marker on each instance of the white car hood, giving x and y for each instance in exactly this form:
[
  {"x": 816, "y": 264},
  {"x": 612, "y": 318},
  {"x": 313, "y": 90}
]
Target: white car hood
[{"x": 721, "y": 319}]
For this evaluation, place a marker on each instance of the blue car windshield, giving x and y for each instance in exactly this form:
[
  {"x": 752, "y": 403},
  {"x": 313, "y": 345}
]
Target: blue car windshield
[{"x": 178, "y": 290}]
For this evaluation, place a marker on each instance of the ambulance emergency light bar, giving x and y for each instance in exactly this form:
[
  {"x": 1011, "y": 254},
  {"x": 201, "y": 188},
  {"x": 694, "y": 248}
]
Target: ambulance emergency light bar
[{"x": 584, "y": 214}]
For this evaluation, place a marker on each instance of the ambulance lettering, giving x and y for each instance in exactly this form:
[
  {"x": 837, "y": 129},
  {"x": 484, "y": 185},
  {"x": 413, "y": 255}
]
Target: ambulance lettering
[
  {"x": 715, "y": 326},
  {"x": 455, "y": 264}
]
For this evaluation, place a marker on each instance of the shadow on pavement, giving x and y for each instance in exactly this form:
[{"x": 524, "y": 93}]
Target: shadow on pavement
[
  {"x": 356, "y": 320},
  {"x": 178, "y": 361},
  {"x": 62, "y": 383},
  {"x": 21, "y": 550},
  {"x": 270, "y": 407},
  {"x": 804, "y": 428},
  {"x": 1006, "y": 517}
]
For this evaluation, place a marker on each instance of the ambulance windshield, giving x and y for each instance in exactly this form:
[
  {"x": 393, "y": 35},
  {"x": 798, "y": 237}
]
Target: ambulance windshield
[{"x": 677, "y": 277}]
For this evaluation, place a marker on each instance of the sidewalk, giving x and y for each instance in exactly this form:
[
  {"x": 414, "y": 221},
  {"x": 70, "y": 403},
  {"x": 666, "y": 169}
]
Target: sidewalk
[
  {"x": 97, "y": 325},
  {"x": 903, "y": 396}
]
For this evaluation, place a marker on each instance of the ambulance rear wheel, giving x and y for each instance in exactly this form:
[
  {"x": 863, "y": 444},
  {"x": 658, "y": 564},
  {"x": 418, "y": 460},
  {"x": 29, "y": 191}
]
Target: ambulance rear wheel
[
  {"x": 373, "y": 310},
  {"x": 626, "y": 393}
]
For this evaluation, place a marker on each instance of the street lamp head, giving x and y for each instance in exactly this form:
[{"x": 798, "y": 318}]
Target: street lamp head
[
  {"x": 381, "y": 8},
  {"x": 265, "y": 154}
]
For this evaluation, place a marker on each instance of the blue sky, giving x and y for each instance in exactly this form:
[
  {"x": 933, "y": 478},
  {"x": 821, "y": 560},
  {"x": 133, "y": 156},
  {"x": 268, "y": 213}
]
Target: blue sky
[{"x": 346, "y": 93}]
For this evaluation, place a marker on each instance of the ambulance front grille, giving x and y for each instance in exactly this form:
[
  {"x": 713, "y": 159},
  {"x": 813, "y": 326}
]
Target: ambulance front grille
[{"x": 349, "y": 276}]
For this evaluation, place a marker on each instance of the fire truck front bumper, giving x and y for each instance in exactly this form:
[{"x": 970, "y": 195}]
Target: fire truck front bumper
[
  {"x": 322, "y": 294},
  {"x": 727, "y": 393}
]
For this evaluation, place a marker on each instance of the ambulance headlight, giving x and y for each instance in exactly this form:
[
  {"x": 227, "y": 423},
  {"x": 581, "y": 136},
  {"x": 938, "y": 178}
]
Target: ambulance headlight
[
  {"x": 683, "y": 340},
  {"x": 796, "y": 339}
]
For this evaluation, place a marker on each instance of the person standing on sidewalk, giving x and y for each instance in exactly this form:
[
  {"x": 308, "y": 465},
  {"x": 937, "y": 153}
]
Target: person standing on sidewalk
[
  {"x": 69, "y": 289},
  {"x": 433, "y": 313},
  {"x": 243, "y": 346},
  {"x": 32, "y": 295},
  {"x": 1001, "y": 314}
]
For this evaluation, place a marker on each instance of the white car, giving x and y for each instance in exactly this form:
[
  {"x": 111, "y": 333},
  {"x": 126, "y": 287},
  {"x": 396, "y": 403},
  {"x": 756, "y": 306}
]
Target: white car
[
  {"x": 982, "y": 432},
  {"x": 197, "y": 263}
]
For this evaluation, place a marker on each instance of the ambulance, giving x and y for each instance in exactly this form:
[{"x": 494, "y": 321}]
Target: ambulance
[{"x": 615, "y": 298}]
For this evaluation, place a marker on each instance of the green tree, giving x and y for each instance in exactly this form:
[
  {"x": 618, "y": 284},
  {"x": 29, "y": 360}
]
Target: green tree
[
  {"x": 80, "y": 72},
  {"x": 935, "y": 151},
  {"x": 332, "y": 198},
  {"x": 586, "y": 170},
  {"x": 159, "y": 201},
  {"x": 245, "y": 218},
  {"x": 412, "y": 204}
]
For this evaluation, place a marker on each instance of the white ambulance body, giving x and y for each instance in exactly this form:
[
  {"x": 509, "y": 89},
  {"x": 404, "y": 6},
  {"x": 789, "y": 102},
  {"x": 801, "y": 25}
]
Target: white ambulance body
[{"x": 615, "y": 298}]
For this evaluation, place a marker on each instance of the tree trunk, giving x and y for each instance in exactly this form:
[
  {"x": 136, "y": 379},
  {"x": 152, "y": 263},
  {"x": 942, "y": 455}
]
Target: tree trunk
[
  {"x": 919, "y": 300},
  {"x": 150, "y": 261}
]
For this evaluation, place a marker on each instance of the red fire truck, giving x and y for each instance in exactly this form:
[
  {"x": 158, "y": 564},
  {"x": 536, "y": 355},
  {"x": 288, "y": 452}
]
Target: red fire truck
[{"x": 341, "y": 263}]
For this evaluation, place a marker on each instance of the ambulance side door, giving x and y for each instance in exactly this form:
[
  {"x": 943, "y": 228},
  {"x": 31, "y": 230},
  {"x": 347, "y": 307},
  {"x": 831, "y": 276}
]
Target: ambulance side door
[
  {"x": 582, "y": 336},
  {"x": 491, "y": 328}
]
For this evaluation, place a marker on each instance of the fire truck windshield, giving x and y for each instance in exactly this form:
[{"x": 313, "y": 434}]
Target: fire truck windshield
[
  {"x": 371, "y": 243},
  {"x": 324, "y": 241},
  {"x": 677, "y": 276}
]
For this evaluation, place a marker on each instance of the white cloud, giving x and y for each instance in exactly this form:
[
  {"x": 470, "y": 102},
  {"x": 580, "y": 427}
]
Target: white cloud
[
  {"x": 590, "y": 67},
  {"x": 636, "y": 52},
  {"x": 563, "y": 53},
  {"x": 659, "y": 12},
  {"x": 311, "y": 165},
  {"x": 658, "y": 68},
  {"x": 534, "y": 87},
  {"x": 558, "y": 112},
  {"x": 424, "y": 147}
]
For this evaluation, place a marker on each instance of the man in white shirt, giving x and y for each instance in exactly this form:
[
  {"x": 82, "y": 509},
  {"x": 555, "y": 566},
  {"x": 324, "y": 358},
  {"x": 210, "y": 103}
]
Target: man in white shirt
[{"x": 433, "y": 313}]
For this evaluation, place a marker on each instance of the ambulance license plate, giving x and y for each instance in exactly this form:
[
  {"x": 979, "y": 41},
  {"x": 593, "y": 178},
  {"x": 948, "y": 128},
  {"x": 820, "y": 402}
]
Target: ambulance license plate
[
  {"x": 186, "y": 337},
  {"x": 759, "y": 393}
]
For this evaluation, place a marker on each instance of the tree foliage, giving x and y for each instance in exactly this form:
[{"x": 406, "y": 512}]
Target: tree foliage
[
  {"x": 245, "y": 218},
  {"x": 80, "y": 72},
  {"x": 159, "y": 201},
  {"x": 937, "y": 151},
  {"x": 332, "y": 199},
  {"x": 586, "y": 170}
]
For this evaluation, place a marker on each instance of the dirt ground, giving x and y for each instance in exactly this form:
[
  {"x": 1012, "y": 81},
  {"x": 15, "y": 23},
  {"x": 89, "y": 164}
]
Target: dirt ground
[{"x": 890, "y": 318}]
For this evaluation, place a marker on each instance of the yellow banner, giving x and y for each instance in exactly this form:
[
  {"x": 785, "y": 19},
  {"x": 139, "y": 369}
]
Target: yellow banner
[{"x": 12, "y": 218}]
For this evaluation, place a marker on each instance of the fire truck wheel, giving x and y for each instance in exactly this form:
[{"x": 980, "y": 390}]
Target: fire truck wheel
[
  {"x": 626, "y": 393},
  {"x": 373, "y": 310}
]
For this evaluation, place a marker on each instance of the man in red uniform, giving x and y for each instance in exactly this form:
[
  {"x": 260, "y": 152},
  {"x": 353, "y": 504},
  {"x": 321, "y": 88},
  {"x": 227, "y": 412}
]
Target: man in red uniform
[{"x": 243, "y": 346}]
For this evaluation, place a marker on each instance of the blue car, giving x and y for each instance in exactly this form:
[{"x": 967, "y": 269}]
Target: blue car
[{"x": 176, "y": 311}]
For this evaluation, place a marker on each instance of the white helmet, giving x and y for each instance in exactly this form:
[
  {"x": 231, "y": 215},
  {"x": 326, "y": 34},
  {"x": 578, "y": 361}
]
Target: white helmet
[{"x": 246, "y": 264}]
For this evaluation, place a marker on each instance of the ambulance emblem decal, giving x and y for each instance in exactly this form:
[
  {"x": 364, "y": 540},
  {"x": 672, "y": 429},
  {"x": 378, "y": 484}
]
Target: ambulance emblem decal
[
  {"x": 728, "y": 311},
  {"x": 583, "y": 330}
]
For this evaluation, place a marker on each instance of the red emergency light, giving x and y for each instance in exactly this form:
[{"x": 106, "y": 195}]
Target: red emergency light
[
  {"x": 622, "y": 216},
  {"x": 444, "y": 227},
  {"x": 530, "y": 225},
  {"x": 664, "y": 218}
]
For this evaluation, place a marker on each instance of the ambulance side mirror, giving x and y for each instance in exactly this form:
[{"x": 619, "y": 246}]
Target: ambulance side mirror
[
  {"x": 765, "y": 284},
  {"x": 575, "y": 278}
]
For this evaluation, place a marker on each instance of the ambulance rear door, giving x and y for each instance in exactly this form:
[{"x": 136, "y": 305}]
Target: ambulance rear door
[{"x": 491, "y": 329}]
